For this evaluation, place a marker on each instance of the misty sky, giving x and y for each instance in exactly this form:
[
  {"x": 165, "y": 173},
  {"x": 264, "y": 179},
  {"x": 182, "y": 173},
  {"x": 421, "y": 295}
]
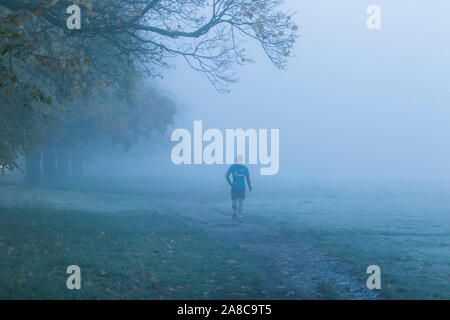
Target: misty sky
[{"x": 353, "y": 103}]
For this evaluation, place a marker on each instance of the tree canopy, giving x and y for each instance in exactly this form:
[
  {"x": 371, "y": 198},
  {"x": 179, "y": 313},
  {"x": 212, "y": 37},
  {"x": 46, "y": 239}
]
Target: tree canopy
[{"x": 44, "y": 66}]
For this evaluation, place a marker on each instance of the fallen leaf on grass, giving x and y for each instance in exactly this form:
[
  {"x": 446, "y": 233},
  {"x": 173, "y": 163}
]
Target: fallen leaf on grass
[
  {"x": 102, "y": 273},
  {"x": 154, "y": 278}
]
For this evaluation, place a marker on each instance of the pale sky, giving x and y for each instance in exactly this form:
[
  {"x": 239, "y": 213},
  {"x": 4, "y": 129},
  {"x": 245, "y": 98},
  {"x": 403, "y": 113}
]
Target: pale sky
[{"x": 353, "y": 102}]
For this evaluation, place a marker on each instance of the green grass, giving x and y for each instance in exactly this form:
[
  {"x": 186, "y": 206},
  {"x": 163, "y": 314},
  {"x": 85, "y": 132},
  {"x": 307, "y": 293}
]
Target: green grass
[
  {"x": 328, "y": 292},
  {"x": 406, "y": 234},
  {"x": 131, "y": 255},
  {"x": 148, "y": 254}
]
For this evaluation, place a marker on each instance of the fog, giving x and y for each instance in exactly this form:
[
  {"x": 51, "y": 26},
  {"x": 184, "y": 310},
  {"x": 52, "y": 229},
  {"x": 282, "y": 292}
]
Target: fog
[
  {"x": 363, "y": 178},
  {"x": 352, "y": 105}
]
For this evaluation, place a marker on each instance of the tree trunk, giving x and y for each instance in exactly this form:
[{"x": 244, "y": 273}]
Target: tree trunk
[
  {"x": 63, "y": 164},
  {"x": 33, "y": 167},
  {"x": 49, "y": 166}
]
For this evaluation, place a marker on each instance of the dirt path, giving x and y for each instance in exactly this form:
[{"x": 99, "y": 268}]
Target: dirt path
[{"x": 293, "y": 270}]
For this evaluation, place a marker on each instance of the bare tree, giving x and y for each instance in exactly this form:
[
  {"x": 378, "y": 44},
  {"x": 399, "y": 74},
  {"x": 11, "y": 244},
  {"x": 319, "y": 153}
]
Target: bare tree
[
  {"x": 209, "y": 34},
  {"x": 41, "y": 60}
]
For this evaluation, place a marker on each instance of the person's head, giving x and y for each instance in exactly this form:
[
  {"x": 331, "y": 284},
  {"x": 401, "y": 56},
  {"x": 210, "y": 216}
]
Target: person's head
[{"x": 240, "y": 159}]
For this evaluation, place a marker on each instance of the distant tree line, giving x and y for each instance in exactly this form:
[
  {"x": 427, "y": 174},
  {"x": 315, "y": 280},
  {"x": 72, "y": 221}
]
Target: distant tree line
[{"x": 62, "y": 90}]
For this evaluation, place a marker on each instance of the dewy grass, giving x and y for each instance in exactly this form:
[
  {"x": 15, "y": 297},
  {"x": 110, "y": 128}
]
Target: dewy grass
[
  {"x": 127, "y": 250},
  {"x": 405, "y": 235},
  {"x": 138, "y": 255},
  {"x": 328, "y": 292}
]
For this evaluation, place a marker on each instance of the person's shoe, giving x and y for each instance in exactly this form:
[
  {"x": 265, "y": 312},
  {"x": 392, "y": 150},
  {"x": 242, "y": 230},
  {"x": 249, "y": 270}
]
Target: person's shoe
[
  {"x": 239, "y": 218},
  {"x": 234, "y": 215}
]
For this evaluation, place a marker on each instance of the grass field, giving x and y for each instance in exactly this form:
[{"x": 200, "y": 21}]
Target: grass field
[
  {"x": 128, "y": 248},
  {"x": 138, "y": 255},
  {"x": 407, "y": 234}
]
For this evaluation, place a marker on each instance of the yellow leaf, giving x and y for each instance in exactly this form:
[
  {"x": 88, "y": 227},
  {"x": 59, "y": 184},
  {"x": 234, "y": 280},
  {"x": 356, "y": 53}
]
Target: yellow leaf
[
  {"x": 19, "y": 281},
  {"x": 37, "y": 13}
]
